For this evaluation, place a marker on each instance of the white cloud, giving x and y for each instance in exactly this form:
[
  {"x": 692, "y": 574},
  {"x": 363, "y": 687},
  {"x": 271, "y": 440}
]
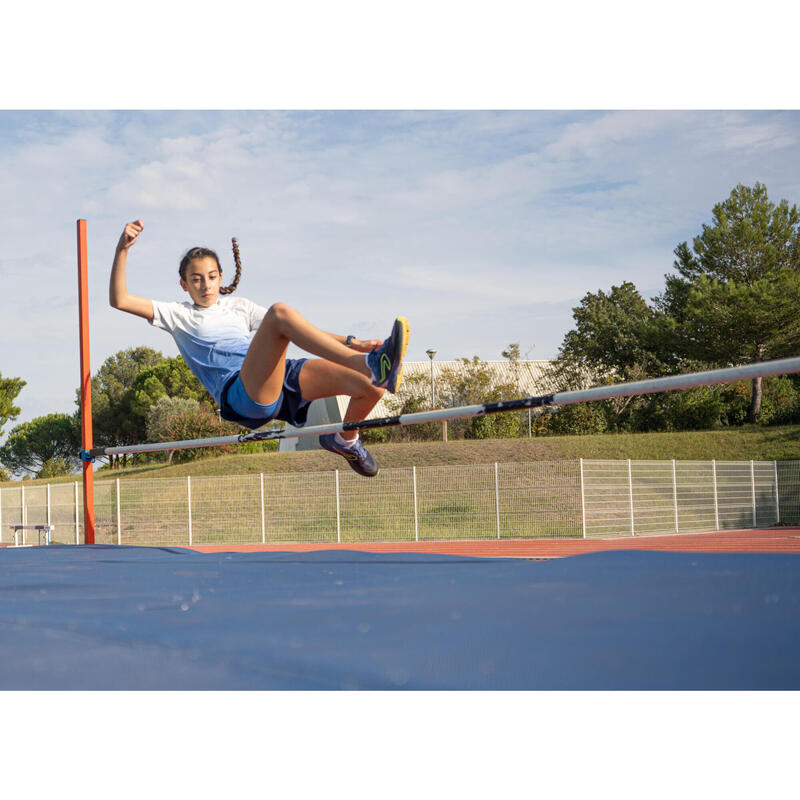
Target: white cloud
[
  {"x": 739, "y": 131},
  {"x": 181, "y": 184},
  {"x": 590, "y": 137}
]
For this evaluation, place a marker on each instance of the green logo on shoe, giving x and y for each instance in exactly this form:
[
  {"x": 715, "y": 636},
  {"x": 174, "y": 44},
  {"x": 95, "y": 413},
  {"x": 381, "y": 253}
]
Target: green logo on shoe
[
  {"x": 386, "y": 366},
  {"x": 350, "y": 456}
]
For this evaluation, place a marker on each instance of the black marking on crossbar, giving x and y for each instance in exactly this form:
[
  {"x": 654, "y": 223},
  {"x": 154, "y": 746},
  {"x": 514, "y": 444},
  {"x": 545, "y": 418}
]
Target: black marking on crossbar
[{"x": 403, "y": 419}]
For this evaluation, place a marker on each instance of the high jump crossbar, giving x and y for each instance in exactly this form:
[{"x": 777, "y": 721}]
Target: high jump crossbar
[{"x": 760, "y": 369}]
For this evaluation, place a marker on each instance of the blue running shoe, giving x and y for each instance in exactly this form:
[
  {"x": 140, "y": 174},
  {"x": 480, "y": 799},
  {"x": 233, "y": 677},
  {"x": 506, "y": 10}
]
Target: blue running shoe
[
  {"x": 358, "y": 457},
  {"x": 386, "y": 361}
]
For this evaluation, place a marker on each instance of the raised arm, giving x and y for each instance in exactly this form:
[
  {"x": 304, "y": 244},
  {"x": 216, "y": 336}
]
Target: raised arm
[{"x": 118, "y": 294}]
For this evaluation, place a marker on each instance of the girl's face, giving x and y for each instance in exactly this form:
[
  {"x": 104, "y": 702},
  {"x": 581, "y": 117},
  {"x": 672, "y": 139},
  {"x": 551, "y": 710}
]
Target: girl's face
[{"x": 202, "y": 281}]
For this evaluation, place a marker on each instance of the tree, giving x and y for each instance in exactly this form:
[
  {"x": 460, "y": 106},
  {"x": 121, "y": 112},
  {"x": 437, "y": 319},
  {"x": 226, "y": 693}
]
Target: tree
[
  {"x": 198, "y": 422},
  {"x": 9, "y": 389},
  {"x": 616, "y": 339},
  {"x": 536, "y": 421},
  {"x": 168, "y": 378},
  {"x": 113, "y": 423},
  {"x": 128, "y": 384},
  {"x": 613, "y": 336},
  {"x": 737, "y": 291},
  {"x": 473, "y": 384},
  {"x": 414, "y": 396},
  {"x": 578, "y": 419},
  {"x": 161, "y": 416},
  {"x": 39, "y": 445},
  {"x": 54, "y": 467}
]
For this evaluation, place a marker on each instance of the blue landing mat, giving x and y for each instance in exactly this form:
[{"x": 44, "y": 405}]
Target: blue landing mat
[{"x": 104, "y": 617}]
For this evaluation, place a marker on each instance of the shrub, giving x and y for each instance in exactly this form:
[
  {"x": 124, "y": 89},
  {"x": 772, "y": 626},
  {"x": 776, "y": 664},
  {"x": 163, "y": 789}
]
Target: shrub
[
  {"x": 581, "y": 418},
  {"x": 54, "y": 467}
]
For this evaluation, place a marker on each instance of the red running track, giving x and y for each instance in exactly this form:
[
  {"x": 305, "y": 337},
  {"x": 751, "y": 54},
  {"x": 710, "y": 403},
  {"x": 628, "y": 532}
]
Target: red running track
[{"x": 772, "y": 540}]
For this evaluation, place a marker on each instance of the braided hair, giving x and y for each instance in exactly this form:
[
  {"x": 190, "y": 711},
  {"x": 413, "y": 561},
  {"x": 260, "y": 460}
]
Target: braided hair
[{"x": 204, "y": 252}]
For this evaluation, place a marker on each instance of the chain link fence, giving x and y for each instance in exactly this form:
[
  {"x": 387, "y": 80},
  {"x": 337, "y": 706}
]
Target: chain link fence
[{"x": 558, "y": 499}]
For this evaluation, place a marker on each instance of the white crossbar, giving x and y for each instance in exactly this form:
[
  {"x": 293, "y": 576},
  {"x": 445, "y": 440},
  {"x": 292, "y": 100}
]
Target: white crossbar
[{"x": 761, "y": 369}]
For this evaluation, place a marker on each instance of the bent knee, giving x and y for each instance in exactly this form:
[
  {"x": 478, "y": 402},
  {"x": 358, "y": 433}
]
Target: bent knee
[
  {"x": 361, "y": 386},
  {"x": 279, "y": 310},
  {"x": 371, "y": 390}
]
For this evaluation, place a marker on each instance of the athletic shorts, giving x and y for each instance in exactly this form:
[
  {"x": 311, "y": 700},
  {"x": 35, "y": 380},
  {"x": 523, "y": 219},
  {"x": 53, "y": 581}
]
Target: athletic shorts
[{"x": 236, "y": 406}]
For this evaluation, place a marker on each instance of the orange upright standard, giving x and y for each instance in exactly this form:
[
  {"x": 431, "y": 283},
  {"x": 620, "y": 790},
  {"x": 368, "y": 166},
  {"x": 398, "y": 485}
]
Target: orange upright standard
[{"x": 86, "y": 386}]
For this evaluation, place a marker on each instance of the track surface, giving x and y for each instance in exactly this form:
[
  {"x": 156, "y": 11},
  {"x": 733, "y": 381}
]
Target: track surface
[{"x": 772, "y": 540}]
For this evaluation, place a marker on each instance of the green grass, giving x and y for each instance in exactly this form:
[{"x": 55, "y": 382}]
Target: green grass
[
  {"x": 780, "y": 443},
  {"x": 536, "y": 501}
]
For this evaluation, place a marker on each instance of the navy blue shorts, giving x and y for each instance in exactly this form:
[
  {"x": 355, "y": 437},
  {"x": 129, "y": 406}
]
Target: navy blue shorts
[{"x": 292, "y": 407}]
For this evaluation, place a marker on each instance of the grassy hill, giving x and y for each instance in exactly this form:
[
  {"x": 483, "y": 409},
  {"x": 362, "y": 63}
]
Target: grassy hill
[{"x": 781, "y": 443}]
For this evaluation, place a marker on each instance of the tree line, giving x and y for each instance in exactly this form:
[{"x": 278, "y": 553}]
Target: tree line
[
  {"x": 732, "y": 299},
  {"x": 138, "y": 395}
]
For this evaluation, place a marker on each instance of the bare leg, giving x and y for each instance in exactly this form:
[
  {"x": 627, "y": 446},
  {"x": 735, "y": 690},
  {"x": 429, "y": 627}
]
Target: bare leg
[
  {"x": 319, "y": 378},
  {"x": 264, "y": 365}
]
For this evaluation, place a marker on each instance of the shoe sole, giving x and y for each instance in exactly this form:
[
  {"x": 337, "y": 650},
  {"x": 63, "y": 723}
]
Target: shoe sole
[
  {"x": 353, "y": 464},
  {"x": 402, "y": 328}
]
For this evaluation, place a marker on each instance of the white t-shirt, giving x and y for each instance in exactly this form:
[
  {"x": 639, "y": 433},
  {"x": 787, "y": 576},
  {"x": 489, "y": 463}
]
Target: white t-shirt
[{"x": 213, "y": 341}]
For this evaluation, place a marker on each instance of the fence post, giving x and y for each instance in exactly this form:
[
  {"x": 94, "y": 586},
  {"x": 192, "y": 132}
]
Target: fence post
[
  {"x": 23, "y": 515},
  {"x": 48, "y": 505},
  {"x": 119, "y": 518},
  {"x": 630, "y": 492},
  {"x": 263, "y": 525},
  {"x": 716, "y": 502},
  {"x": 1, "y": 515},
  {"x": 77, "y": 516},
  {"x": 189, "y": 497},
  {"x": 675, "y": 493},
  {"x": 338, "y": 517},
  {"x": 497, "y": 498},
  {"x": 416, "y": 520},
  {"x": 777, "y": 499},
  {"x": 753, "y": 489},
  {"x": 583, "y": 502}
]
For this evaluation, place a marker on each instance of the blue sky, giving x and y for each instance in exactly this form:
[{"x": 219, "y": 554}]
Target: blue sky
[{"x": 483, "y": 228}]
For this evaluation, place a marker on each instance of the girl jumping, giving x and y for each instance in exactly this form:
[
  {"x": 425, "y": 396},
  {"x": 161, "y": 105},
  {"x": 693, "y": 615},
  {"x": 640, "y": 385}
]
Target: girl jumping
[{"x": 237, "y": 350}]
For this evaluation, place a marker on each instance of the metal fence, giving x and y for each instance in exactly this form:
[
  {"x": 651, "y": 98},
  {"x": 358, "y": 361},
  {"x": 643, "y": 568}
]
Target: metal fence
[{"x": 557, "y": 499}]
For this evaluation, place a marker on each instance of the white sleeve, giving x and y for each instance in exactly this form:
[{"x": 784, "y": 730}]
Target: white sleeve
[
  {"x": 256, "y": 314},
  {"x": 165, "y": 315}
]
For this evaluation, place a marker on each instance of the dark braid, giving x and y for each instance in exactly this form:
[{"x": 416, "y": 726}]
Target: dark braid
[
  {"x": 237, "y": 261},
  {"x": 204, "y": 252}
]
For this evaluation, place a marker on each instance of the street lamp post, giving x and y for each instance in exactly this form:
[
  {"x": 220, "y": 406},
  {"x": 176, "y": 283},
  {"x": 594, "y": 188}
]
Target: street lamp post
[{"x": 431, "y": 353}]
